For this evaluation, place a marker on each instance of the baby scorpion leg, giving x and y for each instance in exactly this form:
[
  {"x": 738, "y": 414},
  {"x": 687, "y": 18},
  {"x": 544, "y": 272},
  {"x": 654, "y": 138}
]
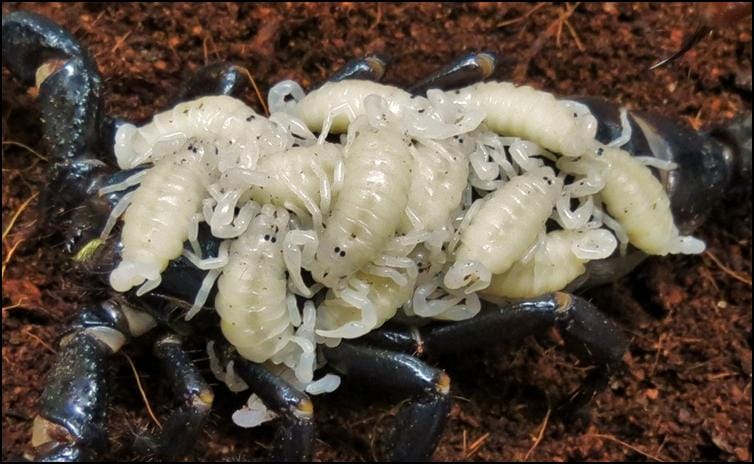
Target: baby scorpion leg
[
  {"x": 420, "y": 420},
  {"x": 294, "y": 438}
]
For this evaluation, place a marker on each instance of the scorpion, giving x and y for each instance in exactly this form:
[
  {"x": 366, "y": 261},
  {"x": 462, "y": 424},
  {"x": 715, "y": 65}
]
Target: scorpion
[{"x": 88, "y": 191}]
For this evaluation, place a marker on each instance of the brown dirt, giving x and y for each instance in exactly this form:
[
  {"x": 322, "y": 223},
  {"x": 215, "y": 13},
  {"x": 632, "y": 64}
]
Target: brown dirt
[{"x": 685, "y": 393}]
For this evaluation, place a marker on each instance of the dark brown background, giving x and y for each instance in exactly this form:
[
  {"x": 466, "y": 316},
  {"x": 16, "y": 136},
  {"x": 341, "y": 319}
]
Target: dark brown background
[{"x": 685, "y": 392}]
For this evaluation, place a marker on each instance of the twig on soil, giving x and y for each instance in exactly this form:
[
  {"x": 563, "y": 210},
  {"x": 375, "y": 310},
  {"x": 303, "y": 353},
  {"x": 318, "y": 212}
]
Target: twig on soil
[
  {"x": 392, "y": 412},
  {"x": 662, "y": 445},
  {"x": 141, "y": 390},
  {"x": 522, "y": 17},
  {"x": 540, "y": 435},
  {"x": 721, "y": 375},
  {"x": 626, "y": 445},
  {"x": 555, "y": 28},
  {"x": 256, "y": 90},
  {"x": 660, "y": 340},
  {"x": 119, "y": 43},
  {"x": 27, "y": 331},
  {"x": 14, "y": 305},
  {"x": 17, "y": 214},
  {"x": 575, "y": 36},
  {"x": 25, "y": 147},
  {"x": 8, "y": 256},
  {"x": 377, "y": 19},
  {"x": 741, "y": 278},
  {"x": 476, "y": 446}
]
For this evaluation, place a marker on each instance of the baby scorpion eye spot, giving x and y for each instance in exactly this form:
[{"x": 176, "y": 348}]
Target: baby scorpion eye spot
[
  {"x": 266, "y": 237},
  {"x": 600, "y": 151},
  {"x": 342, "y": 253},
  {"x": 337, "y": 249},
  {"x": 274, "y": 239}
]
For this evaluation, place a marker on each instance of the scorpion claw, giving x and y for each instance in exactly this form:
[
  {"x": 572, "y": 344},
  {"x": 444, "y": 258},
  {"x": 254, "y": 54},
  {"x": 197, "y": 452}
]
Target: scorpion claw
[
  {"x": 42, "y": 53},
  {"x": 31, "y": 40}
]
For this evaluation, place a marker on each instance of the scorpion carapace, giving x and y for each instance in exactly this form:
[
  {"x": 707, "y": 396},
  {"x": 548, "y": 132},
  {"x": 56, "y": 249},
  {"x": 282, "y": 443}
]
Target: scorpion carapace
[{"x": 357, "y": 228}]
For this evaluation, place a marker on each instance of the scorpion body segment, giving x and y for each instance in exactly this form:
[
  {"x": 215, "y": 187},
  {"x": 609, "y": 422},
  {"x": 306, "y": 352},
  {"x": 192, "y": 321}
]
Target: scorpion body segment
[
  {"x": 369, "y": 207},
  {"x": 251, "y": 297}
]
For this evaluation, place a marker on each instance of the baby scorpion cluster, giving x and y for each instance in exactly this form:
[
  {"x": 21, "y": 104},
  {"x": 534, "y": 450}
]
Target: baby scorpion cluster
[{"x": 405, "y": 202}]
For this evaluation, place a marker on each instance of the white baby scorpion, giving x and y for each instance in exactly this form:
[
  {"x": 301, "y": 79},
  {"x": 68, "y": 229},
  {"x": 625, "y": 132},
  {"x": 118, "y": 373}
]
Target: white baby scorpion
[
  {"x": 556, "y": 262},
  {"x": 244, "y": 134},
  {"x": 503, "y": 228},
  {"x": 252, "y": 290},
  {"x": 439, "y": 176},
  {"x": 161, "y": 211},
  {"x": 561, "y": 126},
  {"x": 332, "y": 108},
  {"x": 638, "y": 201},
  {"x": 369, "y": 207},
  {"x": 299, "y": 179},
  {"x": 367, "y": 304}
]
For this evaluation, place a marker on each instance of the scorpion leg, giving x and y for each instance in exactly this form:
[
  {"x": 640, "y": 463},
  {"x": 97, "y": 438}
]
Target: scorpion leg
[
  {"x": 294, "y": 438},
  {"x": 422, "y": 418},
  {"x": 590, "y": 335},
  {"x": 214, "y": 79},
  {"x": 465, "y": 70},
  {"x": 370, "y": 68},
  {"x": 184, "y": 425},
  {"x": 72, "y": 413}
]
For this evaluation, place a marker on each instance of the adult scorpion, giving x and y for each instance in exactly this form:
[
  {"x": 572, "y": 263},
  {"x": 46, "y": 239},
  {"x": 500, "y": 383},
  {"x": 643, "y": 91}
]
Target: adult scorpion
[{"x": 71, "y": 423}]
